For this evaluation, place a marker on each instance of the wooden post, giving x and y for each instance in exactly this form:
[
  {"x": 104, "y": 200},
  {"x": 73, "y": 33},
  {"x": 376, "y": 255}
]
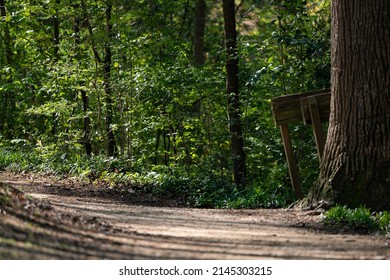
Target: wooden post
[
  {"x": 292, "y": 166},
  {"x": 309, "y": 107},
  {"x": 318, "y": 130}
]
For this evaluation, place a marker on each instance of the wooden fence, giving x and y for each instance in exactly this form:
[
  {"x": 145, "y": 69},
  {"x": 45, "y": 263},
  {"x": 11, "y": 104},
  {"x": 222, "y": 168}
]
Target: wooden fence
[{"x": 311, "y": 108}]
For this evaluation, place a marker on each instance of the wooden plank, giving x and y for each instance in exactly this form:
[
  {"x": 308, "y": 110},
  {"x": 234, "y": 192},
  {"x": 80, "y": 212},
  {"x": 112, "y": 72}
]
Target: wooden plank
[
  {"x": 287, "y": 108},
  {"x": 309, "y": 107},
  {"x": 292, "y": 166},
  {"x": 318, "y": 129},
  {"x": 323, "y": 104}
]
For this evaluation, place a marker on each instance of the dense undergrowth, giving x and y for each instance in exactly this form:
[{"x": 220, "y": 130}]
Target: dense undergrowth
[{"x": 199, "y": 187}]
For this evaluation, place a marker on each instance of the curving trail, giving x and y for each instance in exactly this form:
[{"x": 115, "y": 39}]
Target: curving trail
[{"x": 78, "y": 221}]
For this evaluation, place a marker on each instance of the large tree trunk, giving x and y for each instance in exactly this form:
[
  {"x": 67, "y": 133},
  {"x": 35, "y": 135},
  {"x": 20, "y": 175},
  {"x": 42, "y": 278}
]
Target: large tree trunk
[
  {"x": 233, "y": 94},
  {"x": 356, "y": 166}
]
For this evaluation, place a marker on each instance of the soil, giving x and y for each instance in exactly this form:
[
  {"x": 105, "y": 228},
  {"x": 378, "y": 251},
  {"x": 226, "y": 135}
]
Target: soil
[{"x": 50, "y": 218}]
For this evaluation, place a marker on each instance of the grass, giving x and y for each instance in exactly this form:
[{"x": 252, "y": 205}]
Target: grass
[{"x": 358, "y": 219}]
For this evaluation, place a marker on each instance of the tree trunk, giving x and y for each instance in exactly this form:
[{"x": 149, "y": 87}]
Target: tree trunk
[
  {"x": 56, "y": 53},
  {"x": 233, "y": 94},
  {"x": 84, "y": 95},
  {"x": 56, "y": 32},
  {"x": 87, "y": 124},
  {"x": 356, "y": 166},
  {"x": 8, "y": 103},
  {"x": 199, "y": 27},
  {"x": 111, "y": 145},
  {"x": 3, "y": 111},
  {"x": 7, "y": 33}
]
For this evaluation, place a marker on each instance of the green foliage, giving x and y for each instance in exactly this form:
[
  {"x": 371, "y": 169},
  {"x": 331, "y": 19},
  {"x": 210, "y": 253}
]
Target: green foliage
[
  {"x": 169, "y": 118},
  {"x": 13, "y": 160},
  {"x": 209, "y": 191},
  {"x": 358, "y": 219},
  {"x": 383, "y": 220}
]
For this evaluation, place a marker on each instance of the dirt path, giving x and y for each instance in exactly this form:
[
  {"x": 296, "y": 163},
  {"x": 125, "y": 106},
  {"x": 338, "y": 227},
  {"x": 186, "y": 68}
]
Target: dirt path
[{"x": 73, "y": 220}]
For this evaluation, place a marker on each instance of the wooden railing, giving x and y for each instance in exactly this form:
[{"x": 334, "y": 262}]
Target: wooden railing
[{"x": 311, "y": 108}]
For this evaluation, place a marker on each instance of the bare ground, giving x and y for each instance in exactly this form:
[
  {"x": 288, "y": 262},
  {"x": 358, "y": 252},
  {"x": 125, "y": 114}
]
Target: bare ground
[{"x": 47, "y": 218}]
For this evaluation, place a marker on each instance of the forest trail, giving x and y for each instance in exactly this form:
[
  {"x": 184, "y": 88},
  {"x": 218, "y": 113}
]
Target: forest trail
[{"x": 74, "y": 220}]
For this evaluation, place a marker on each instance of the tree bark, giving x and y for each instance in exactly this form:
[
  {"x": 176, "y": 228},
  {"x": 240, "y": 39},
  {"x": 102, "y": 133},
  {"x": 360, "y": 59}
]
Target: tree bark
[
  {"x": 56, "y": 53},
  {"x": 355, "y": 169},
  {"x": 233, "y": 94},
  {"x": 56, "y": 32},
  {"x": 3, "y": 111},
  {"x": 111, "y": 144},
  {"x": 87, "y": 124},
  {"x": 8, "y": 102},
  {"x": 84, "y": 96},
  {"x": 87, "y": 22},
  {"x": 199, "y": 28},
  {"x": 7, "y": 33}
]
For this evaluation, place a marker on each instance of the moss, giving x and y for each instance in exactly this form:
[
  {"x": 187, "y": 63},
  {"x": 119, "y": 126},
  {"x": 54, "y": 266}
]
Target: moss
[{"x": 322, "y": 191}]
